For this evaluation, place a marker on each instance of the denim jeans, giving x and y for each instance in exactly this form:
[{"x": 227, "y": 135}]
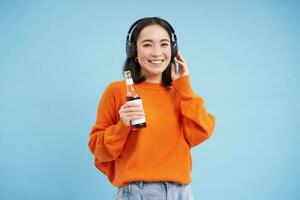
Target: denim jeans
[{"x": 154, "y": 191}]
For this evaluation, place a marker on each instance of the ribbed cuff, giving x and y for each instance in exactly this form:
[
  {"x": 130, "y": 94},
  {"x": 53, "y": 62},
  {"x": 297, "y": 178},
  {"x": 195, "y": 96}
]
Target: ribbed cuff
[{"x": 120, "y": 131}]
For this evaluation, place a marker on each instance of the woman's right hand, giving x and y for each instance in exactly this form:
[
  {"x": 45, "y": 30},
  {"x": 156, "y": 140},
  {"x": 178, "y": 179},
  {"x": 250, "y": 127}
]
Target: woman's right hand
[{"x": 130, "y": 111}]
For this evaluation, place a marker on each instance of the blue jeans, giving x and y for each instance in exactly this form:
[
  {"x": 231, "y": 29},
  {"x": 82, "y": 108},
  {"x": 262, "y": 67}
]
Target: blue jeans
[{"x": 154, "y": 191}]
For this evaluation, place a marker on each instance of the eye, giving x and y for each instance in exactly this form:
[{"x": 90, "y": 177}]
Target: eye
[
  {"x": 147, "y": 45},
  {"x": 165, "y": 44}
]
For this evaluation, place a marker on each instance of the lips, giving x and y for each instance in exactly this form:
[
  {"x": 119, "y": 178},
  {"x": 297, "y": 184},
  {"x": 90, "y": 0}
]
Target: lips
[{"x": 156, "y": 61}]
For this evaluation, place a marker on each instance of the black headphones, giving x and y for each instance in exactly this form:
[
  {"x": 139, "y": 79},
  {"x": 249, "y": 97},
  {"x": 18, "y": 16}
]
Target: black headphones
[{"x": 131, "y": 47}]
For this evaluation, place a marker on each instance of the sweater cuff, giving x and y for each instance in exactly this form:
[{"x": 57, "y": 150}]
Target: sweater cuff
[
  {"x": 123, "y": 127},
  {"x": 183, "y": 87},
  {"x": 120, "y": 131}
]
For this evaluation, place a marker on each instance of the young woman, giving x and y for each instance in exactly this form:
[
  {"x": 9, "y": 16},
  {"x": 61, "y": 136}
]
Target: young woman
[{"x": 152, "y": 163}]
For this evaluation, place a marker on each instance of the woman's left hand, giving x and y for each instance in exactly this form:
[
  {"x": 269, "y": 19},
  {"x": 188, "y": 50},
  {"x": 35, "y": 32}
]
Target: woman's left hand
[{"x": 183, "y": 69}]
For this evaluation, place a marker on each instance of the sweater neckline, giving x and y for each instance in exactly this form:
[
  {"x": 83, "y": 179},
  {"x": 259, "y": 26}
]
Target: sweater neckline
[{"x": 145, "y": 84}]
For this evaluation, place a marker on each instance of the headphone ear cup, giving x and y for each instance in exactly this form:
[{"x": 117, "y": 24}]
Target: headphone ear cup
[
  {"x": 130, "y": 50},
  {"x": 174, "y": 49}
]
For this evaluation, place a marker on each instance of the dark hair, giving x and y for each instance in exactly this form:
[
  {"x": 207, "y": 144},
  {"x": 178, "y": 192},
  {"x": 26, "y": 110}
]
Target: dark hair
[{"x": 132, "y": 65}]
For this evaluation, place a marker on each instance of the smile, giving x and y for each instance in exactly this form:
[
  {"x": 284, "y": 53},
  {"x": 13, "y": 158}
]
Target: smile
[{"x": 156, "y": 61}]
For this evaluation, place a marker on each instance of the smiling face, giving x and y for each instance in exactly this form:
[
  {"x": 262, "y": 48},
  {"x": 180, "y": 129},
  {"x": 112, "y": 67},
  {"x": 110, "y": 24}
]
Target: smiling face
[{"x": 153, "y": 52}]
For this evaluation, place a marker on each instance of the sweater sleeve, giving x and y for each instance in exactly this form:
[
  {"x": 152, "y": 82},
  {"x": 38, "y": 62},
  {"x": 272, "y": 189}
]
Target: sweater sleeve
[
  {"x": 109, "y": 134},
  {"x": 198, "y": 124}
]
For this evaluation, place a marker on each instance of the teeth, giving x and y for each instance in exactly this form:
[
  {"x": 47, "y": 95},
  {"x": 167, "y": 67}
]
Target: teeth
[{"x": 156, "y": 61}]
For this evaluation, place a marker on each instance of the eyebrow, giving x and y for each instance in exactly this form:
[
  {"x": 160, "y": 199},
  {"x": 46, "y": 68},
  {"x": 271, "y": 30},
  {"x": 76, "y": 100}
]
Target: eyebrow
[{"x": 163, "y": 40}]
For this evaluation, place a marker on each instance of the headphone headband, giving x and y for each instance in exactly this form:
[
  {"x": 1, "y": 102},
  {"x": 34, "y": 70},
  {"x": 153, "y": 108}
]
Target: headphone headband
[{"x": 138, "y": 21}]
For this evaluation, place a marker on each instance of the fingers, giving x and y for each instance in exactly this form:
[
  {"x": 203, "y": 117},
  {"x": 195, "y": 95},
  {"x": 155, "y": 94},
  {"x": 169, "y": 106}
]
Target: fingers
[
  {"x": 131, "y": 111},
  {"x": 179, "y": 57},
  {"x": 132, "y": 107},
  {"x": 181, "y": 63},
  {"x": 131, "y": 104},
  {"x": 183, "y": 68}
]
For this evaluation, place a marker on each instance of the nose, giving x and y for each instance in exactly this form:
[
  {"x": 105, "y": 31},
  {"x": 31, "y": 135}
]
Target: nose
[{"x": 156, "y": 51}]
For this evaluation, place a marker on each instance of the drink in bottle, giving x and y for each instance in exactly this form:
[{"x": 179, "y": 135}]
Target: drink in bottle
[{"x": 132, "y": 95}]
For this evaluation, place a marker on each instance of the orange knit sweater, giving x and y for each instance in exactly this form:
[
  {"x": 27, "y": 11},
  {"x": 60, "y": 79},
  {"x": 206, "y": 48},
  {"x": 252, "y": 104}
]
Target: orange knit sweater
[{"x": 176, "y": 121}]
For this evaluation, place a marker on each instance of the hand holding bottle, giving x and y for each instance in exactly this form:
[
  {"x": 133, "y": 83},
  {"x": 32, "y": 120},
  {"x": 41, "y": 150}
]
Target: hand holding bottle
[{"x": 130, "y": 111}]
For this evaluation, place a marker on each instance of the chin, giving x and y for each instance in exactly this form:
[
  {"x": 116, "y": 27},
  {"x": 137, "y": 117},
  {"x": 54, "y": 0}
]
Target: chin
[{"x": 157, "y": 71}]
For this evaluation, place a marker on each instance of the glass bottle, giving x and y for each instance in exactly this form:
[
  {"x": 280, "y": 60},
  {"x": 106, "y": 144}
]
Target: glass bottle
[{"x": 132, "y": 95}]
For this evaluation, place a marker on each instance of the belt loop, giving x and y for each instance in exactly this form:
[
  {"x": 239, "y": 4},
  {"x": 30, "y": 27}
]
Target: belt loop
[
  {"x": 129, "y": 187},
  {"x": 140, "y": 184}
]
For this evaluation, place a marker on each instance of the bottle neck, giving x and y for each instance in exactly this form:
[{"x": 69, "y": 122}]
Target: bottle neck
[
  {"x": 131, "y": 92},
  {"x": 129, "y": 81}
]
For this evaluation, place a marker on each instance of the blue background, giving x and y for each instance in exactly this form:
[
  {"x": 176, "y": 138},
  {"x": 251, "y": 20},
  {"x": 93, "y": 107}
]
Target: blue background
[{"x": 56, "y": 57}]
